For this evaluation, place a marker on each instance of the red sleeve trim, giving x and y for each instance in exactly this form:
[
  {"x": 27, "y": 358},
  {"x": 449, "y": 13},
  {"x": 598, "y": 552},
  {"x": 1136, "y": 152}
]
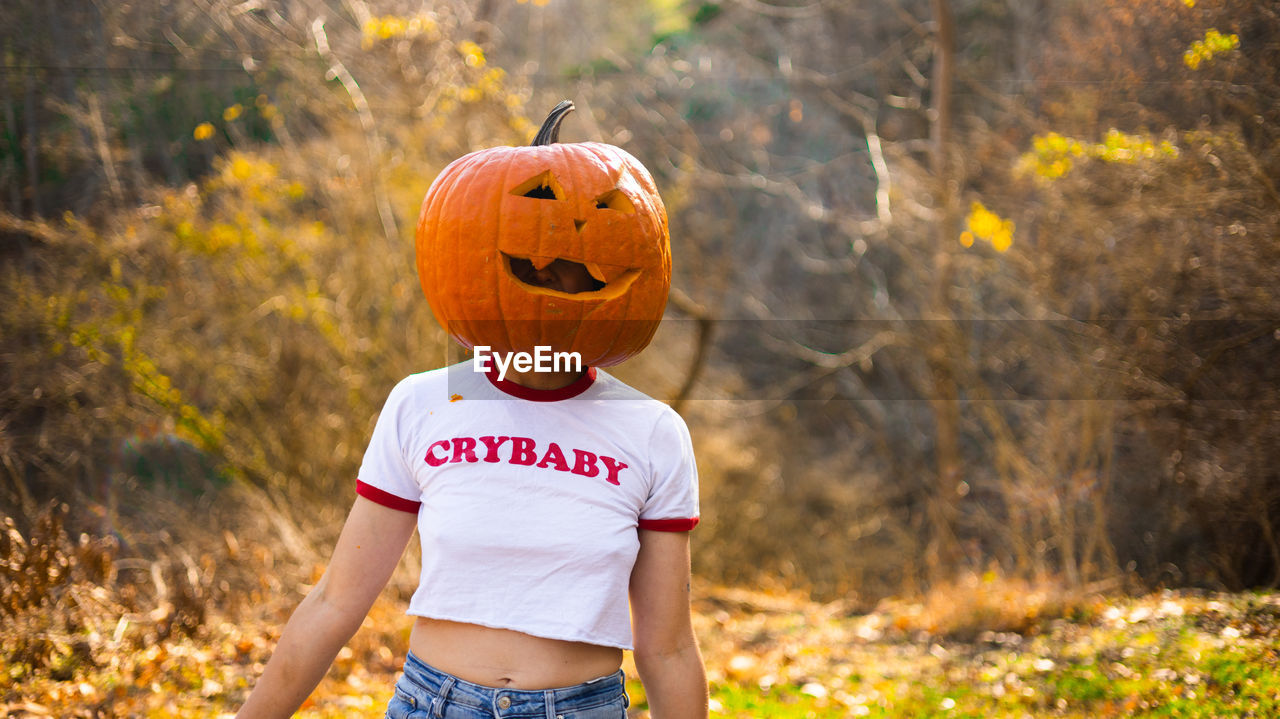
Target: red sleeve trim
[
  {"x": 669, "y": 525},
  {"x": 386, "y": 499}
]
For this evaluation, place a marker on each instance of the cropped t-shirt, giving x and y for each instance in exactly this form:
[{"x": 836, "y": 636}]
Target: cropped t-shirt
[{"x": 529, "y": 501}]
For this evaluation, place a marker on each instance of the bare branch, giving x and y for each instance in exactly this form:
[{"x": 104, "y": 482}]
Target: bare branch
[
  {"x": 367, "y": 123},
  {"x": 849, "y": 357},
  {"x": 797, "y": 11}
]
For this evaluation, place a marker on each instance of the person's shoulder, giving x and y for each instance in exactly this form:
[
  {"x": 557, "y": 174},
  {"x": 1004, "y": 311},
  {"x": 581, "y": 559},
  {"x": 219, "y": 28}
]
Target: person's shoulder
[
  {"x": 636, "y": 402},
  {"x": 608, "y": 387}
]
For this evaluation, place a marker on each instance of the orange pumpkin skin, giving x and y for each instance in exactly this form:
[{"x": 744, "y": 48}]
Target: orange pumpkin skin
[{"x": 606, "y": 215}]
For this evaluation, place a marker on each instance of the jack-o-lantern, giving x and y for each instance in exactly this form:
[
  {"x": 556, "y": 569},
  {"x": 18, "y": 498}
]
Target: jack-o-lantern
[{"x": 495, "y": 216}]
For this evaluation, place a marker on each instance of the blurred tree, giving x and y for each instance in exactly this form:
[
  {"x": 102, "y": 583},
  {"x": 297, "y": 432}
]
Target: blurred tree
[
  {"x": 803, "y": 145},
  {"x": 261, "y": 305},
  {"x": 1165, "y": 242},
  {"x": 992, "y": 281}
]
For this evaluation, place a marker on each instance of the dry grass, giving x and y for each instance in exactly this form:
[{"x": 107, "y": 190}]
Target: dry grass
[{"x": 971, "y": 605}]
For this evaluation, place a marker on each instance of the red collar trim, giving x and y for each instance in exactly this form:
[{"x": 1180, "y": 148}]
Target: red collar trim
[{"x": 519, "y": 391}]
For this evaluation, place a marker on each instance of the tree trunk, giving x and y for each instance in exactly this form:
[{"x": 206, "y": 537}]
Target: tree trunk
[
  {"x": 9, "y": 174},
  {"x": 946, "y": 346},
  {"x": 30, "y": 141},
  {"x": 701, "y": 345}
]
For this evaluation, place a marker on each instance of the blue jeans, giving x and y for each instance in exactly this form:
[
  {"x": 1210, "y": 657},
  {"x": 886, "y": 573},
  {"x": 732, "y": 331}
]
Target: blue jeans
[{"x": 424, "y": 692}]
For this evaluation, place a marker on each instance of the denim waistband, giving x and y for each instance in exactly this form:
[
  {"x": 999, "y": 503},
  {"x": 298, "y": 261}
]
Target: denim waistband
[{"x": 431, "y": 688}]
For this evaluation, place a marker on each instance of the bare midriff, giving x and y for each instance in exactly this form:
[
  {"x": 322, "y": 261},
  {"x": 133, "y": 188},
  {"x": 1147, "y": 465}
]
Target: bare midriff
[{"x": 503, "y": 658}]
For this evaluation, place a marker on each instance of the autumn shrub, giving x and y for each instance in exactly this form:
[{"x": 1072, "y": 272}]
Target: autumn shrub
[
  {"x": 191, "y": 376},
  {"x": 252, "y": 315},
  {"x": 973, "y": 605},
  {"x": 1162, "y": 243},
  {"x": 58, "y": 600},
  {"x": 775, "y": 518},
  {"x": 104, "y": 624},
  {"x": 208, "y": 283}
]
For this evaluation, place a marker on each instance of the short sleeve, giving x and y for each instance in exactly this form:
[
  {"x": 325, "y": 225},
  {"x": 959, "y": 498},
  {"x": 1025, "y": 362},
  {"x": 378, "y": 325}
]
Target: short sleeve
[
  {"x": 384, "y": 475},
  {"x": 672, "y": 505}
]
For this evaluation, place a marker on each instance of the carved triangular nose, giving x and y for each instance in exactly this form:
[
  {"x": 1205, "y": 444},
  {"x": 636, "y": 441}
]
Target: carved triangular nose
[{"x": 577, "y": 224}]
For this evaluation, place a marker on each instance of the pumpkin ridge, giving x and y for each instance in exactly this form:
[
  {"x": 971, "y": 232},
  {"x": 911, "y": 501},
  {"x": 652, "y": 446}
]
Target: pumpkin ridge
[
  {"x": 445, "y": 217},
  {"x": 499, "y": 288},
  {"x": 547, "y": 240},
  {"x": 619, "y": 322},
  {"x": 575, "y": 209},
  {"x": 628, "y": 166},
  {"x": 464, "y": 237},
  {"x": 544, "y": 209}
]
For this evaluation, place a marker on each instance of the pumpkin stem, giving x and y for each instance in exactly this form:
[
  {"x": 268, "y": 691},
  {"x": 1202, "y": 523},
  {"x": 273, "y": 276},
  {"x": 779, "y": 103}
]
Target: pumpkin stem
[{"x": 550, "y": 132}]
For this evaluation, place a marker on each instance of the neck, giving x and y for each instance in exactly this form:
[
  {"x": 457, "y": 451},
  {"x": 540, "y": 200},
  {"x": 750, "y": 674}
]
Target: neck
[{"x": 543, "y": 380}]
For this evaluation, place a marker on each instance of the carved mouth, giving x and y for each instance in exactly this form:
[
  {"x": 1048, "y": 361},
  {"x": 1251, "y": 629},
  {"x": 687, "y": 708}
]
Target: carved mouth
[{"x": 559, "y": 277}]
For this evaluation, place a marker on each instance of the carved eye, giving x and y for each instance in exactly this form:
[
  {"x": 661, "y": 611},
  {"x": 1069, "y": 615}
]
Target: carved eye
[
  {"x": 541, "y": 187},
  {"x": 615, "y": 200}
]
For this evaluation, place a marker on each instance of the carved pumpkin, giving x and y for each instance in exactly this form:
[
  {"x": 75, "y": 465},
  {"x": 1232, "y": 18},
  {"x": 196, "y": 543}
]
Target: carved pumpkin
[{"x": 494, "y": 212}]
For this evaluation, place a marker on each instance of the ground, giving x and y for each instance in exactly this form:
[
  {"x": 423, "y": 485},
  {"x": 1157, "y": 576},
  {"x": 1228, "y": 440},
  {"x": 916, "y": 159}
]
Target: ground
[{"x": 768, "y": 655}]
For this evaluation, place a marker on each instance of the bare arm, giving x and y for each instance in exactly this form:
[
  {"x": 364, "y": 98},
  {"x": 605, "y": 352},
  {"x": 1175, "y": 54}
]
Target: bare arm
[
  {"x": 368, "y": 550},
  {"x": 666, "y": 654}
]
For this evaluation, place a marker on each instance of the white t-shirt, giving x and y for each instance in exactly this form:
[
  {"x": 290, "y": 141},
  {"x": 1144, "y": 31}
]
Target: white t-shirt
[{"x": 528, "y": 501}]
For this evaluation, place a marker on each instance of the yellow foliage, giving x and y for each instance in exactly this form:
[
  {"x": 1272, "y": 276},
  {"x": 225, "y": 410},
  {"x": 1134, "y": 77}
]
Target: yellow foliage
[
  {"x": 241, "y": 169},
  {"x": 391, "y": 27},
  {"x": 222, "y": 236},
  {"x": 203, "y": 131},
  {"x": 231, "y": 114},
  {"x": 241, "y": 180},
  {"x": 1119, "y": 147},
  {"x": 240, "y": 216},
  {"x": 246, "y": 171},
  {"x": 387, "y": 27},
  {"x": 491, "y": 82},
  {"x": 471, "y": 53},
  {"x": 115, "y": 336},
  {"x": 670, "y": 16},
  {"x": 1214, "y": 43},
  {"x": 1053, "y": 155},
  {"x": 987, "y": 225},
  {"x": 1002, "y": 240}
]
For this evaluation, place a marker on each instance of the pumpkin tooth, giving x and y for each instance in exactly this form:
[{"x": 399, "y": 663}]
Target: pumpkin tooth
[
  {"x": 541, "y": 262},
  {"x": 595, "y": 271}
]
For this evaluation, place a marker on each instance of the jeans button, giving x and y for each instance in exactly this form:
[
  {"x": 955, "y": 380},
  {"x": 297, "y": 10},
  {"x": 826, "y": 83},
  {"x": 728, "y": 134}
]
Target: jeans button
[{"x": 504, "y": 702}]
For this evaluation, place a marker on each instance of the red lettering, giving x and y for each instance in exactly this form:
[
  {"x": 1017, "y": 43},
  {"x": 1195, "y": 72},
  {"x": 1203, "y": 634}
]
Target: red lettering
[
  {"x": 522, "y": 451},
  {"x": 432, "y": 459},
  {"x": 584, "y": 463},
  {"x": 614, "y": 467},
  {"x": 464, "y": 446},
  {"x": 491, "y": 445},
  {"x": 554, "y": 456}
]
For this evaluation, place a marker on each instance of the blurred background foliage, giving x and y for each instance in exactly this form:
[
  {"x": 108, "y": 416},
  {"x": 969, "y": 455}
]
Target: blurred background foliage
[{"x": 961, "y": 285}]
